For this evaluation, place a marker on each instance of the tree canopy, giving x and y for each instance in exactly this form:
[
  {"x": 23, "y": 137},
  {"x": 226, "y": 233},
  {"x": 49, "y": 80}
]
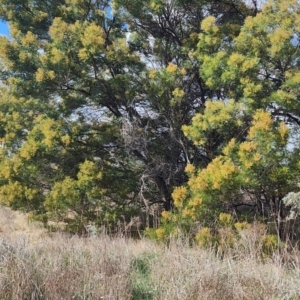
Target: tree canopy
[{"x": 110, "y": 110}]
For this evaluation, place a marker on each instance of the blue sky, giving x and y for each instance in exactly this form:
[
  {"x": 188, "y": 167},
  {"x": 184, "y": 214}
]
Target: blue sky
[{"x": 3, "y": 28}]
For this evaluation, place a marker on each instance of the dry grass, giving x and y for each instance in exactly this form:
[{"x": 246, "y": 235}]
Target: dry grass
[{"x": 40, "y": 266}]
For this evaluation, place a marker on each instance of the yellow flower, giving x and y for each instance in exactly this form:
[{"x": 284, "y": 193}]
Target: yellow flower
[
  {"x": 57, "y": 55},
  {"x": 241, "y": 226},
  {"x": 261, "y": 121},
  {"x": 179, "y": 195},
  {"x": 204, "y": 237},
  {"x": 229, "y": 147},
  {"x": 189, "y": 169},
  {"x": 283, "y": 131},
  {"x": 42, "y": 75},
  {"x": 171, "y": 68},
  {"x": 178, "y": 93},
  {"x": 189, "y": 213},
  {"x": 28, "y": 39},
  {"x": 166, "y": 215},
  {"x": 93, "y": 37},
  {"x": 182, "y": 72},
  {"x": 256, "y": 157},
  {"x": 195, "y": 202},
  {"x": 248, "y": 164},
  {"x": 225, "y": 219},
  {"x": 66, "y": 139},
  {"x": 160, "y": 233},
  {"x": 248, "y": 146},
  {"x": 208, "y": 23},
  {"x": 152, "y": 74}
]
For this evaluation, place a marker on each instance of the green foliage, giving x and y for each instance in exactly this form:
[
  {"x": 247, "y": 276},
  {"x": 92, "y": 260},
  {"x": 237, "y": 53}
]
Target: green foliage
[
  {"x": 142, "y": 287},
  {"x": 58, "y": 155},
  {"x": 248, "y": 131},
  {"x": 270, "y": 244},
  {"x": 189, "y": 104},
  {"x": 90, "y": 131},
  {"x": 228, "y": 236}
]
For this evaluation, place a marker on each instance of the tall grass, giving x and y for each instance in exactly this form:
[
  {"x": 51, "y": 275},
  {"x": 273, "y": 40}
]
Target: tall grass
[{"x": 57, "y": 266}]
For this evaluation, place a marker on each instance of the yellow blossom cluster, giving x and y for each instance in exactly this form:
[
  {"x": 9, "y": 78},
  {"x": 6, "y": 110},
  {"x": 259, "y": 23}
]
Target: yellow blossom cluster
[
  {"x": 216, "y": 114},
  {"x": 217, "y": 174},
  {"x": 171, "y": 68},
  {"x": 42, "y": 75},
  {"x": 92, "y": 40},
  {"x": 189, "y": 213},
  {"x": 190, "y": 169},
  {"x": 28, "y": 39},
  {"x": 283, "y": 132},
  {"x": 179, "y": 195},
  {"x": 152, "y": 74},
  {"x": 239, "y": 226},
  {"x": 166, "y": 215},
  {"x": 178, "y": 94},
  {"x": 225, "y": 219},
  {"x": 262, "y": 121},
  {"x": 204, "y": 237},
  {"x": 209, "y": 24}
]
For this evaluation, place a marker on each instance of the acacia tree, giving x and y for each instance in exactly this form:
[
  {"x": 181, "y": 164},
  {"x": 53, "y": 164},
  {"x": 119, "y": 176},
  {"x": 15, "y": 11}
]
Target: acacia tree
[
  {"x": 66, "y": 80},
  {"x": 252, "y": 123},
  {"x": 166, "y": 35},
  {"x": 93, "y": 102}
]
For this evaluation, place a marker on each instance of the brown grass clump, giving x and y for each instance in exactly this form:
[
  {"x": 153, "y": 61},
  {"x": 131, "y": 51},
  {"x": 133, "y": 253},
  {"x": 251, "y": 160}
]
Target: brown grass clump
[
  {"x": 57, "y": 266},
  {"x": 64, "y": 268},
  {"x": 14, "y": 224}
]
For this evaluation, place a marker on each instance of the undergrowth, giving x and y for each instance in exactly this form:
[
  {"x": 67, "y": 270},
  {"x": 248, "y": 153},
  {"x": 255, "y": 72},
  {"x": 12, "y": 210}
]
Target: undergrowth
[{"x": 57, "y": 266}]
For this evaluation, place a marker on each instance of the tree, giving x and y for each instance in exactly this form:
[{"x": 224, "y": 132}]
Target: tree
[
  {"x": 251, "y": 123},
  {"x": 93, "y": 101},
  {"x": 65, "y": 76},
  {"x": 166, "y": 35}
]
